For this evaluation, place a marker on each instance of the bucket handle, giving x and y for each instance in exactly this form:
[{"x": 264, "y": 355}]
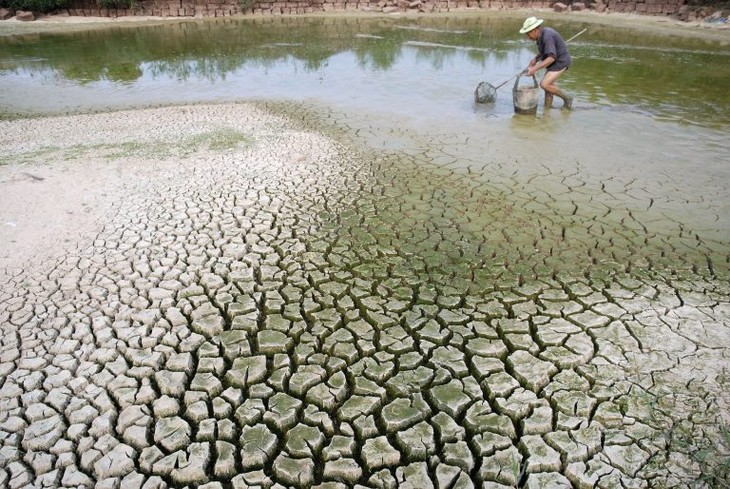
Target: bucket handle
[{"x": 517, "y": 80}]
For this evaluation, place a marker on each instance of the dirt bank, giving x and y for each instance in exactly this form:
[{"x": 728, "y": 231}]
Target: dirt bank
[{"x": 652, "y": 24}]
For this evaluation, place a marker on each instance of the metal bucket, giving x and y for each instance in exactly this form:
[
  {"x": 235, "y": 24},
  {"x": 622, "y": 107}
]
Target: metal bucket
[{"x": 526, "y": 96}]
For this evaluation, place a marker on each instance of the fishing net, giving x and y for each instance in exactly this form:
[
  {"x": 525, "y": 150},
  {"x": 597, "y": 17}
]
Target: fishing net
[{"x": 485, "y": 93}]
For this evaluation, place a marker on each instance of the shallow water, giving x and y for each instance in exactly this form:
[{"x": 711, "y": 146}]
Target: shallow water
[{"x": 385, "y": 64}]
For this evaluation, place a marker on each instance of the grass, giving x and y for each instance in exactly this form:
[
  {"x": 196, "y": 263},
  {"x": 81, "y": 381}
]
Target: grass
[{"x": 219, "y": 140}]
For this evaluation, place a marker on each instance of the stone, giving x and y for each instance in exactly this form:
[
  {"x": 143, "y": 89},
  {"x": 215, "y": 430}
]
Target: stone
[{"x": 25, "y": 16}]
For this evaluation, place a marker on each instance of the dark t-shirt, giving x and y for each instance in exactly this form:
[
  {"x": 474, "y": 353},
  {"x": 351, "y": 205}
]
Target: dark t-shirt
[{"x": 551, "y": 44}]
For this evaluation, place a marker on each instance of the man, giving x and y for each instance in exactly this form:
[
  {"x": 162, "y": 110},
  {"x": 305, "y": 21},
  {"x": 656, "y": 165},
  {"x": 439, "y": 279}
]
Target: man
[{"x": 553, "y": 55}]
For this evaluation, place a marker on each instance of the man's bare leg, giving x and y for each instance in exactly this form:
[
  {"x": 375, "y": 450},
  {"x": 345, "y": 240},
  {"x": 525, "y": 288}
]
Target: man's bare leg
[{"x": 548, "y": 85}]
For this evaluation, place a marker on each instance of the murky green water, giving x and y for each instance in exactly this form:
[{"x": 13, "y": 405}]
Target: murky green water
[{"x": 382, "y": 63}]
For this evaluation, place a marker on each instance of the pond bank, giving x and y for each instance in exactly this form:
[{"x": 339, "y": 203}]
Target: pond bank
[{"x": 652, "y": 24}]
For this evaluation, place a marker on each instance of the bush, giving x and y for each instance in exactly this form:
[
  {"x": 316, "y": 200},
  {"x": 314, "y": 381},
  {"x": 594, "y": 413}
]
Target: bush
[
  {"x": 115, "y": 3},
  {"x": 44, "y": 6}
]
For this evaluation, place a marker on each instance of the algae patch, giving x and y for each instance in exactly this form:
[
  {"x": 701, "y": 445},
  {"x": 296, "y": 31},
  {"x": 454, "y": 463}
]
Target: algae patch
[{"x": 218, "y": 140}]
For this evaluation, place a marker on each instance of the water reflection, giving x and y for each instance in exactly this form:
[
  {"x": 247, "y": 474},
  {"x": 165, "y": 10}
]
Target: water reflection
[{"x": 337, "y": 59}]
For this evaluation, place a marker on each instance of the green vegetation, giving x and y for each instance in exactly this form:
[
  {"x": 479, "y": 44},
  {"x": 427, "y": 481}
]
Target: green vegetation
[
  {"x": 246, "y": 4},
  {"x": 223, "y": 139},
  {"x": 116, "y": 3},
  {"x": 46, "y": 6},
  {"x": 35, "y": 5}
]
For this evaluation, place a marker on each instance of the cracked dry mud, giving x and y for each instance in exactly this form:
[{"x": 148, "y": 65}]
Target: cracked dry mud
[{"x": 264, "y": 306}]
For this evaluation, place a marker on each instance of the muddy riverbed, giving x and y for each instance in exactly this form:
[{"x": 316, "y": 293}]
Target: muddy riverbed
[{"x": 286, "y": 293}]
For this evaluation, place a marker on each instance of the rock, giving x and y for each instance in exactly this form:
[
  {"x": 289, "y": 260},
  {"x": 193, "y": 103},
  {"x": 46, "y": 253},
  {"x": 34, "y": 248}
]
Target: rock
[
  {"x": 5, "y": 14},
  {"x": 25, "y": 16},
  {"x": 560, "y": 7},
  {"x": 577, "y": 6}
]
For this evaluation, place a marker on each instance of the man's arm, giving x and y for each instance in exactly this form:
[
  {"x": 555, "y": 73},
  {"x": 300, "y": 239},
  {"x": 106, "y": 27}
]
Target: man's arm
[{"x": 534, "y": 66}]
